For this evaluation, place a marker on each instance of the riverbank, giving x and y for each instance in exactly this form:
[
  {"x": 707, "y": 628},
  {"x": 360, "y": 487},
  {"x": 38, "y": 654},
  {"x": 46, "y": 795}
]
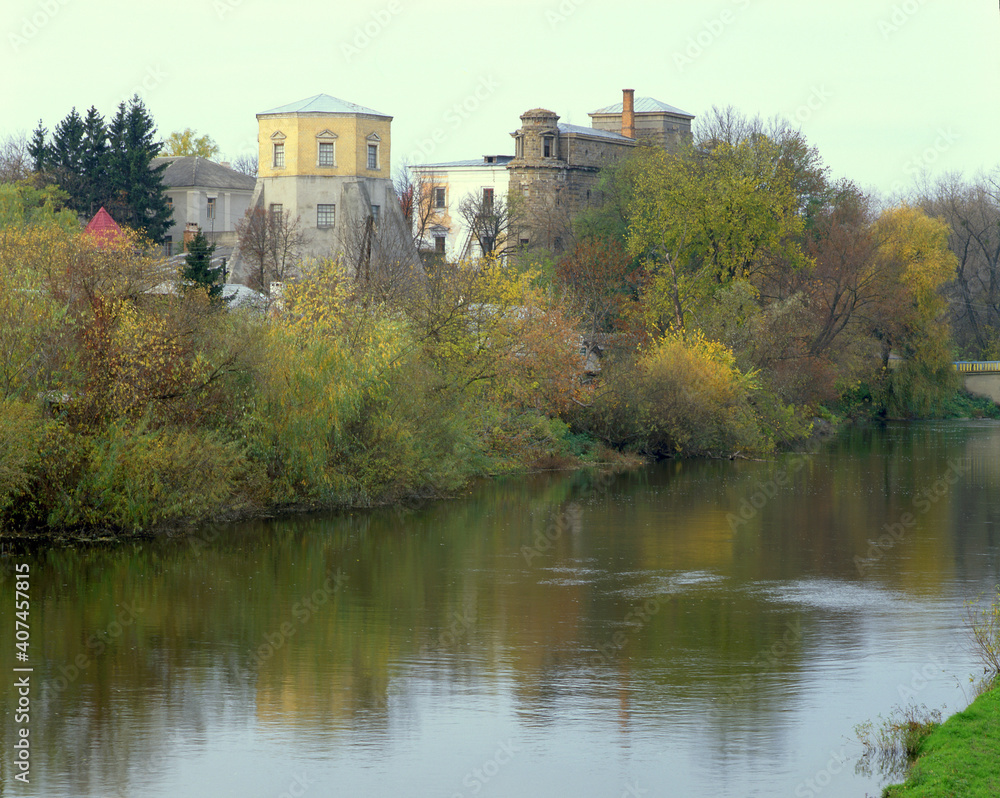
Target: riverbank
[{"x": 961, "y": 757}]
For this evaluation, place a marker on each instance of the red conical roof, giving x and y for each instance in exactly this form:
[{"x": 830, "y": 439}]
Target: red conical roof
[{"x": 103, "y": 227}]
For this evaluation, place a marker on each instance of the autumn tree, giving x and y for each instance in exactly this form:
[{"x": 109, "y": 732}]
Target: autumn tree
[
  {"x": 603, "y": 278},
  {"x": 271, "y": 242},
  {"x": 246, "y": 164},
  {"x": 15, "y": 158},
  {"x": 972, "y": 210},
  {"x": 186, "y": 142},
  {"x": 490, "y": 220}
]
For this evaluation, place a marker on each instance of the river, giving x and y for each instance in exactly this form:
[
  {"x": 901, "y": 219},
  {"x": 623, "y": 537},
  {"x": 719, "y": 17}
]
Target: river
[{"x": 697, "y": 629}]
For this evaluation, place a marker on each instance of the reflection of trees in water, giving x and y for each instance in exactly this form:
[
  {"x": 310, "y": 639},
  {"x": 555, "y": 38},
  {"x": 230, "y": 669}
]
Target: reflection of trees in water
[{"x": 440, "y": 600}]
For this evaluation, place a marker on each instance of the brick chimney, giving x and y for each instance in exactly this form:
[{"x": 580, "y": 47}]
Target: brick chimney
[
  {"x": 190, "y": 231},
  {"x": 628, "y": 113}
]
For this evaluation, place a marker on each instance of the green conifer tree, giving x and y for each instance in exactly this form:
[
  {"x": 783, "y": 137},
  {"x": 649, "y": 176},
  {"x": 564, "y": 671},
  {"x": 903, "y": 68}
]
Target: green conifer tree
[
  {"x": 38, "y": 149},
  {"x": 198, "y": 270},
  {"x": 94, "y": 162},
  {"x": 137, "y": 194}
]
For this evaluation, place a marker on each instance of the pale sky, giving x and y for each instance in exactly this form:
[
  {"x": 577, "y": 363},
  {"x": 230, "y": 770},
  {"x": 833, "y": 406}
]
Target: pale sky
[{"x": 884, "y": 88}]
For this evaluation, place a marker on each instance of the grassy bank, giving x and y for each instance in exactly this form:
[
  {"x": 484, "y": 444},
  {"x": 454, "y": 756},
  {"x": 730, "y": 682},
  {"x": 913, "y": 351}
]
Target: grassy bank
[{"x": 961, "y": 757}]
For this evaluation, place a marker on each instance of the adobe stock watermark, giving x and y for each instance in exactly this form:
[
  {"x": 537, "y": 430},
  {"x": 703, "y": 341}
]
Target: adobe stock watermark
[
  {"x": 899, "y": 16},
  {"x": 365, "y": 34},
  {"x": 820, "y": 780},
  {"x": 35, "y": 22},
  {"x": 96, "y": 645},
  {"x": 557, "y": 16},
  {"x": 766, "y": 659},
  {"x": 479, "y": 777},
  {"x": 149, "y": 82},
  {"x": 751, "y": 505},
  {"x": 459, "y": 627},
  {"x": 638, "y": 617},
  {"x": 921, "y": 678},
  {"x": 302, "y": 611},
  {"x": 698, "y": 43},
  {"x": 818, "y": 97},
  {"x": 924, "y": 499},
  {"x": 567, "y": 520},
  {"x": 298, "y": 786},
  {"x": 633, "y": 790},
  {"x": 224, "y": 8},
  {"x": 454, "y": 117}
]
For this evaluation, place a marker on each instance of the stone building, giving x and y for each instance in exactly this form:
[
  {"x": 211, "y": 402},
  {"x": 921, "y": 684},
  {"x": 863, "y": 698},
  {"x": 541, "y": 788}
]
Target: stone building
[
  {"x": 556, "y": 166},
  {"x": 325, "y": 163},
  {"x": 553, "y": 174}
]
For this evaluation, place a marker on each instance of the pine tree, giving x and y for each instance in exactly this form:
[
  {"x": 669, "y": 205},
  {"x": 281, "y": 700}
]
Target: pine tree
[
  {"x": 66, "y": 159},
  {"x": 136, "y": 189},
  {"x": 38, "y": 149},
  {"x": 94, "y": 162},
  {"x": 198, "y": 270}
]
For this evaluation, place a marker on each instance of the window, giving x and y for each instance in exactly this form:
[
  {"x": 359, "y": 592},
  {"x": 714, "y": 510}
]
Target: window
[
  {"x": 325, "y": 155},
  {"x": 523, "y": 243},
  {"x": 325, "y": 215},
  {"x": 439, "y": 198},
  {"x": 439, "y": 245},
  {"x": 279, "y": 156},
  {"x": 546, "y": 146},
  {"x": 210, "y": 208},
  {"x": 375, "y": 213},
  {"x": 488, "y": 200},
  {"x": 373, "y": 156},
  {"x": 168, "y": 245},
  {"x": 276, "y": 210},
  {"x": 519, "y": 146}
]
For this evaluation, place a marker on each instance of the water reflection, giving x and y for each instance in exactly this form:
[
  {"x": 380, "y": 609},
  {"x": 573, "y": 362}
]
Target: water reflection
[{"x": 704, "y": 629}]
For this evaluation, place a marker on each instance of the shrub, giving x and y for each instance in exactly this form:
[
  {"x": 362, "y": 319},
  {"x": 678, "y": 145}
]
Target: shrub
[{"x": 22, "y": 430}]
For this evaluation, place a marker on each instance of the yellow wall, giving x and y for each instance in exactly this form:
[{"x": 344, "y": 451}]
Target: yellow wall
[{"x": 301, "y": 144}]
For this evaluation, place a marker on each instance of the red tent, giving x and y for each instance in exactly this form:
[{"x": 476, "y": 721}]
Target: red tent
[{"x": 103, "y": 227}]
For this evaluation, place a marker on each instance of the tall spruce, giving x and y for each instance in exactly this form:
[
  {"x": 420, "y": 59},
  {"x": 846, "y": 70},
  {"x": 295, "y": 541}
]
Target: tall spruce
[
  {"x": 38, "y": 149},
  {"x": 66, "y": 160},
  {"x": 94, "y": 162},
  {"x": 198, "y": 270},
  {"x": 137, "y": 196}
]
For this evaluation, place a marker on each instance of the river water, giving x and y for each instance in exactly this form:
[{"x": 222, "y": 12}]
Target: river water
[{"x": 697, "y": 629}]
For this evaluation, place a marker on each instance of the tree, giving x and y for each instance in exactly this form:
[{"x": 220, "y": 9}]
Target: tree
[
  {"x": 416, "y": 201},
  {"x": 972, "y": 210},
  {"x": 66, "y": 159},
  {"x": 96, "y": 191},
  {"x": 184, "y": 142},
  {"x": 490, "y": 220},
  {"x": 272, "y": 243},
  {"x": 246, "y": 164},
  {"x": 602, "y": 277},
  {"x": 37, "y": 147},
  {"x": 15, "y": 158},
  {"x": 198, "y": 269},
  {"x": 705, "y": 219},
  {"x": 138, "y": 199}
]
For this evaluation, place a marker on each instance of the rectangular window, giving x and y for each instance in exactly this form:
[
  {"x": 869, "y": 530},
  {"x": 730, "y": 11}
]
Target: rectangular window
[
  {"x": 276, "y": 210},
  {"x": 168, "y": 245},
  {"x": 375, "y": 213},
  {"x": 279, "y": 156},
  {"x": 210, "y": 208},
  {"x": 325, "y": 215},
  {"x": 546, "y": 146},
  {"x": 438, "y": 197},
  {"x": 373, "y": 156},
  {"x": 439, "y": 245},
  {"x": 325, "y": 157},
  {"x": 488, "y": 200}
]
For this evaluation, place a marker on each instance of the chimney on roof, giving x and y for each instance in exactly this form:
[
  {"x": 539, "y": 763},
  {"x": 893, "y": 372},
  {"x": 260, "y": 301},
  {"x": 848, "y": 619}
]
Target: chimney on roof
[
  {"x": 190, "y": 231},
  {"x": 628, "y": 113}
]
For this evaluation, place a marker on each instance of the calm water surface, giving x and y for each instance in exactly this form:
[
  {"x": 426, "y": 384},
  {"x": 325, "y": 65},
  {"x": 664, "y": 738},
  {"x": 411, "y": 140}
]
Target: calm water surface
[{"x": 691, "y": 629}]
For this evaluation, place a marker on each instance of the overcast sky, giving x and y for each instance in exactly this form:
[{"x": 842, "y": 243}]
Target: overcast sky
[{"x": 884, "y": 88}]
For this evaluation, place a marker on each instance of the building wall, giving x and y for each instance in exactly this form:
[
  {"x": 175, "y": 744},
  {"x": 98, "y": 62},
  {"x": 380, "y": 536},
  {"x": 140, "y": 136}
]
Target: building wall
[
  {"x": 665, "y": 130},
  {"x": 302, "y": 146},
  {"x": 190, "y": 204},
  {"x": 459, "y": 182}
]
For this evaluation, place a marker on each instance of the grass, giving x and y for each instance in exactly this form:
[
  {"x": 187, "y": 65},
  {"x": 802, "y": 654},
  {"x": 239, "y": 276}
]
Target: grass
[{"x": 960, "y": 758}]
